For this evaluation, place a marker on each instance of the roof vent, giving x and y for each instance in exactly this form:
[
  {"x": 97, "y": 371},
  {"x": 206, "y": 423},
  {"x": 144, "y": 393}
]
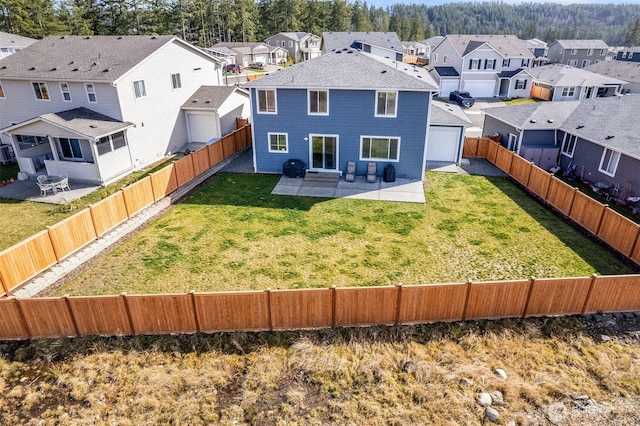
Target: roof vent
[
  {"x": 533, "y": 120},
  {"x": 87, "y": 38},
  {"x": 550, "y": 120},
  {"x": 349, "y": 51},
  {"x": 207, "y": 102},
  {"x": 61, "y": 37},
  {"x": 383, "y": 71},
  {"x": 194, "y": 101},
  {"x": 106, "y": 70},
  {"x": 609, "y": 137},
  {"x": 72, "y": 62},
  {"x": 33, "y": 68},
  {"x": 338, "y": 51},
  {"x": 4, "y": 67},
  {"x": 75, "y": 69},
  {"x": 54, "y": 69},
  {"x": 579, "y": 127},
  {"x": 119, "y": 37},
  {"x": 94, "y": 64},
  {"x": 154, "y": 37},
  {"x": 93, "y": 126}
]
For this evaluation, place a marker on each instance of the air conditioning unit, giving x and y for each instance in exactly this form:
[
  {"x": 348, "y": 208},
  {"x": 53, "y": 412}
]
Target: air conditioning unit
[{"x": 6, "y": 154}]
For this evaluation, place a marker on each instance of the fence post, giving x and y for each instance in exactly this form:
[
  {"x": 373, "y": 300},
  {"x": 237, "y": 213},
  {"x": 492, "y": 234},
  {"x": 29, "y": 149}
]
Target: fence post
[
  {"x": 532, "y": 281},
  {"x": 398, "y": 302},
  {"x": 475, "y": 154},
  {"x": 53, "y": 246},
  {"x": 128, "y": 311},
  {"x": 466, "y": 301},
  {"x": 573, "y": 199},
  {"x": 633, "y": 246},
  {"x": 333, "y": 306},
  {"x": 93, "y": 221},
  {"x": 195, "y": 310},
  {"x": 23, "y": 319},
  {"x": 4, "y": 286},
  {"x": 531, "y": 164},
  {"x": 604, "y": 212},
  {"x": 72, "y": 315},
  {"x": 594, "y": 277},
  {"x": 269, "y": 313}
]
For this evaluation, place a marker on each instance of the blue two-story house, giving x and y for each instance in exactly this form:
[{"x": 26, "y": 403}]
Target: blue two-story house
[{"x": 343, "y": 106}]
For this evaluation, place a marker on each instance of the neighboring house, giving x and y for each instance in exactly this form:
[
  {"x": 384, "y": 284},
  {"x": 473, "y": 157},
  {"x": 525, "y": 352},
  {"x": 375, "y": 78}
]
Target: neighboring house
[
  {"x": 623, "y": 70},
  {"x": 539, "y": 49},
  {"x": 384, "y": 44},
  {"x": 301, "y": 46},
  {"x": 577, "y": 53},
  {"x": 11, "y": 43},
  {"x": 487, "y": 65},
  {"x": 557, "y": 82},
  {"x": 96, "y": 108},
  {"x": 631, "y": 54},
  {"x": 342, "y": 106},
  {"x": 224, "y": 54},
  {"x": 416, "y": 48},
  {"x": 446, "y": 133},
  {"x": 599, "y": 137},
  {"x": 211, "y": 112},
  {"x": 247, "y": 53}
]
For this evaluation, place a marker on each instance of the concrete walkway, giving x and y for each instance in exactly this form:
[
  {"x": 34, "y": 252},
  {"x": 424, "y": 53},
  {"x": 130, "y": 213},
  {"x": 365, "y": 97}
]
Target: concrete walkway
[{"x": 113, "y": 238}]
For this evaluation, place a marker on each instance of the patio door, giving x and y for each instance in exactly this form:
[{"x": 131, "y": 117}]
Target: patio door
[{"x": 324, "y": 152}]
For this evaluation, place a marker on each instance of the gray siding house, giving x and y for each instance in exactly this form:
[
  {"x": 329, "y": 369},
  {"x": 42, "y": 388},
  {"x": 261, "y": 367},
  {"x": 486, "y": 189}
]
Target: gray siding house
[
  {"x": 557, "y": 82},
  {"x": 600, "y": 138},
  {"x": 96, "y": 108},
  {"x": 384, "y": 44},
  {"x": 578, "y": 53},
  {"x": 623, "y": 70},
  {"x": 300, "y": 46},
  {"x": 12, "y": 43},
  {"x": 631, "y": 54}
]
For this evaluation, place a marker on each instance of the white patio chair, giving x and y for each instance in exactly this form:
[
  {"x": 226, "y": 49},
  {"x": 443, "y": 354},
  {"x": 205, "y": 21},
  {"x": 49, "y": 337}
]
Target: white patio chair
[
  {"x": 44, "y": 187},
  {"x": 63, "y": 184}
]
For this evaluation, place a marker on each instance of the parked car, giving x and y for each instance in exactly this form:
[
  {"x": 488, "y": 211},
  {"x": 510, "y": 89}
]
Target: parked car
[
  {"x": 257, "y": 65},
  {"x": 463, "y": 99},
  {"x": 234, "y": 68}
]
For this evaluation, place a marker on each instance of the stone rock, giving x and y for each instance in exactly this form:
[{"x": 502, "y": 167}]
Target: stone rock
[
  {"x": 497, "y": 398},
  {"x": 605, "y": 338},
  {"x": 409, "y": 367},
  {"x": 491, "y": 414},
  {"x": 511, "y": 422},
  {"x": 556, "y": 413},
  {"x": 580, "y": 397},
  {"x": 484, "y": 399},
  {"x": 500, "y": 372},
  {"x": 467, "y": 383}
]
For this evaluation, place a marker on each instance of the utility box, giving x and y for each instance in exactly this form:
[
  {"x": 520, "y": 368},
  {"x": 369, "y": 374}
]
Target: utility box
[{"x": 544, "y": 156}]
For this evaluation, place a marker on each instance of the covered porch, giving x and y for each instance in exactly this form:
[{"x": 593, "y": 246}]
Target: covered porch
[{"x": 79, "y": 144}]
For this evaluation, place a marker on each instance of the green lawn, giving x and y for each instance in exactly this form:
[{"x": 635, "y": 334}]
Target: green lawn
[
  {"x": 233, "y": 234},
  {"x": 22, "y": 219}
]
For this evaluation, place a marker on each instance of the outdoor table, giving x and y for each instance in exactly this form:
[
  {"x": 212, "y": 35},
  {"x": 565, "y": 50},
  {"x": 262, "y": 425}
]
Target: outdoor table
[{"x": 53, "y": 180}]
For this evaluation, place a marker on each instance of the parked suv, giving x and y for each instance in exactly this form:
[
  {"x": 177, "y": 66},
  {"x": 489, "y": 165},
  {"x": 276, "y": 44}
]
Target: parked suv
[
  {"x": 463, "y": 99},
  {"x": 257, "y": 65},
  {"x": 234, "y": 68}
]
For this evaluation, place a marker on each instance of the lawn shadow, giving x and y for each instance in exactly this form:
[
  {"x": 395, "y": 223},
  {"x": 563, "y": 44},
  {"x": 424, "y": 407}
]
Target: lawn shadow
[{"x": 578, "y": 240}]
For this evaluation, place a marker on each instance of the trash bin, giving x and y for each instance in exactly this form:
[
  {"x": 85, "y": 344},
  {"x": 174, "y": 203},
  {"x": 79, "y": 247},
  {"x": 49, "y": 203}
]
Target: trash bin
[{"x": 389, "y": 174}]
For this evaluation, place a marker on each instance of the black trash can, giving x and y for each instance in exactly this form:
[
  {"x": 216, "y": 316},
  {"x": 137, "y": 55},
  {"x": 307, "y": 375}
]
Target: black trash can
[
  {"x": 294, "y": 168},
  {"x": 389, "y": 174}
]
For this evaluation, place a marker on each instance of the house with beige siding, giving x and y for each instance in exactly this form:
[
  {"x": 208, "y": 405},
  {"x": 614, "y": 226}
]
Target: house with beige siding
[{"x": 96, "y": 108}]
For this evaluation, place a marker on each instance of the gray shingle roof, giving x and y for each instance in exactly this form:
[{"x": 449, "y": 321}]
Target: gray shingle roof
[
  {"x": 624, "y": 70},
  {"x": 349, "y": 69},
  {"x": 241, "y": 47},
  {"x": 582, "y": 44},
  {"x": 220, "y": 50},
  {"x": 591, "y": 119},
  {"x": 433, "y": 41},
  {"x": 209, "y": 97},
  {"x": 444, "y": 114},
  {"x": 340, "y": 40},
  {"x": 560, "y": 75},
  {"x": 446, "y": 71},
  {"x": 81, "y": 58},
  {"x": 535, "y": 43},
  {"x": 13, "y": 40},
  {"x": 292, "y": 35},
  {"x": 508, "y": 45}
]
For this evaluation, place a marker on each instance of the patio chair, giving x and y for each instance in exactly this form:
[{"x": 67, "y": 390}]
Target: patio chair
[
  {"x": 350, "y": 176},
  {"x": 63, "y": 184},
  {"x": 44, "y": 187},
  {"x": 371, "y": 173}
]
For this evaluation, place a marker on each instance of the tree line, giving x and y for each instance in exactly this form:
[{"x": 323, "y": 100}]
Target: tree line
[{"x": 205, "y": 22}]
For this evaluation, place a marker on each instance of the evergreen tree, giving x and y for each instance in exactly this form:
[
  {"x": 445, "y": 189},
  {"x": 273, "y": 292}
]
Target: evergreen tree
[{"x": 632, "y": 33}]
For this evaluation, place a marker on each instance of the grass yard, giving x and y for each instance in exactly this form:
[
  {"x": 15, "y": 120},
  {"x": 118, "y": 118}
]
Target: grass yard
[
  {"x": 232, "y": 234},
  {"x": 559, "y": 371},
  {"x": 22, "y": 219}
]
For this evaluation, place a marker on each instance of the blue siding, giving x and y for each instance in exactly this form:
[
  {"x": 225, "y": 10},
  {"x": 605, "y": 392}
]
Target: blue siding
[{"x": 351, "y": 114}]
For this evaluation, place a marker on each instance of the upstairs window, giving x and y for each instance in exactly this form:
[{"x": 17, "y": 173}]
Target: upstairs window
[
  {"x": 2, "y": 96},
  {"x": 267, "y": 101},
  {"x": 489, "y": 64},
  {"x": 590, "y": 52},
  {"x": 474, "y": 64},
  {"x": 525, "y": 63},
  {"x": 569, "y": 145},
  {"x": 624, "y": 55},
  {"x": 603, "y": 52},
  {"x": 318, "y": 102},
  {"x": 574, "y": 51},
  {"x": 139, "y": 89},
  {"x": 176, "y": 81},
  {"x": 66, "y": 92},
  {"x": 41, "y": 91},
  {"x": 386, "y": 104},
  {"x": 91, "y": 92},
  {"x": 506, "y": 62}
]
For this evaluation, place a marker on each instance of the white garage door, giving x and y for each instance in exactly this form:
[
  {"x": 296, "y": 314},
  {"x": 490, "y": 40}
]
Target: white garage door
[
  {"x": 261, "y": 58},
  {"x": 443, "y": 144},
  {"x": 447, "y": 86},
  {"x": 202, "y": 127},
  {"x": 480, "y": 89}
]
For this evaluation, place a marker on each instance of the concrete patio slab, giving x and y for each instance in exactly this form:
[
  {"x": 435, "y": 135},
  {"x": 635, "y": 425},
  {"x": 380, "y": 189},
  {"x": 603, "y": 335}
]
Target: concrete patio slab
[
  {"x": 28, "y": 190},
  {"x": 314, "y": 191}
]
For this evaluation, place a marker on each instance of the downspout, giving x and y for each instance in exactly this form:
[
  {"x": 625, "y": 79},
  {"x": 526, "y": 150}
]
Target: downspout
[
  {"x": 426, "y": 138},
  {"x": 253, "y": 130}
]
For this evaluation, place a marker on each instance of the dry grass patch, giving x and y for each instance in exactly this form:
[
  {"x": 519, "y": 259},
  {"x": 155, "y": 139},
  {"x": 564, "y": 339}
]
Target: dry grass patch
[{"x": 401, "y": 375}]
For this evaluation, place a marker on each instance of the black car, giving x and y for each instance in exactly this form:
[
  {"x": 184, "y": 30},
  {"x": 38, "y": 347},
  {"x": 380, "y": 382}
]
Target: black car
[{"x": 463, "y": 99}]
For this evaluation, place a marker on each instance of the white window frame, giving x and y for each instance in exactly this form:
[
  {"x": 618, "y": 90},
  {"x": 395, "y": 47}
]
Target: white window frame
[
  {"x": 586, "y": 63},
  {"x": 526, "y": 62},
  {"x": 39, "y": 85},
  {"x": 624, "y": 55},
  {"x": 108, "y": 140},
  {"x": 65, "y": 92},
  {"x": 81, "y": 158},
  {"x": 572, "y": 62},
  {"x": 574, "y": 51},
  {"x": 614, "y": 159},
  {"x": 524, "y": 84},
  {"x": 176, "y": 81},
  {"x": 602, "y": 52},
  {"x": 139, "y": 89},
  {"x": 286, "y": 142},
  {"x": 475, "y": 64},
  {"x": 91, "y": 91},
  {"x": 388, "y": 138},
  {"x": 568, "y": 91},
  {"x": 506, "y": 63},
  {"x": 275, "y": 101},
  {"x": 395, "y": 107},
  {"x": 435, "y": 57},
  {"x": 569, "y": 143},
  {"x": 490, "y": 61},
  {"x": 444, "y": 59},
  {"x": 512, "y": 142},
  {"x": 309, "y": 94},
  {"x": 2, "y": 94},
  {"x": 590, "y": 52}
]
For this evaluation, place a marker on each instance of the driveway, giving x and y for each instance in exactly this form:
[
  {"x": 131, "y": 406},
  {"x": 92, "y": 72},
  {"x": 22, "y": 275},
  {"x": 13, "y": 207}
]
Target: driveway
[{"x": 476, "y": 115}]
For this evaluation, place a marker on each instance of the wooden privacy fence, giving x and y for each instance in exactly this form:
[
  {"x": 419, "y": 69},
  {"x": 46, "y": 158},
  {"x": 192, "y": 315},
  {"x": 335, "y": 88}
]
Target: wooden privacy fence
[
  {"x": 617, "y": 231},
  {"x": 314, "y": 308},
  {"x": 34, "y": 255}
]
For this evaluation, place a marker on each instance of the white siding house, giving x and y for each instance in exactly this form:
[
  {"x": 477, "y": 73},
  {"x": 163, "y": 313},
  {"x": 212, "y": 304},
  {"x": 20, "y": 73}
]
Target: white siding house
[{"x": 96, "y": 108}]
